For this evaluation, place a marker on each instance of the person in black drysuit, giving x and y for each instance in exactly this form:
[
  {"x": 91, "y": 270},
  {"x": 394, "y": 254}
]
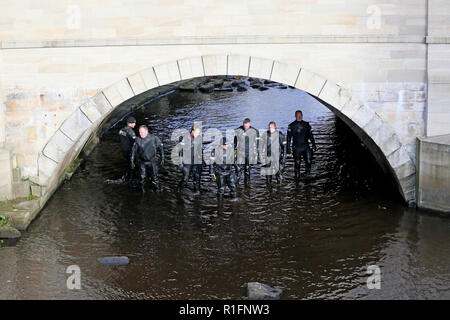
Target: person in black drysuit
[
  {"x": 127, "y": 138},
  {"x": 191, "y": 164},
  {"x": 222, "y": 168},
  {"x": 299, "y": 134},
  {"x": 246, "y": 144},
  {"x": 273, "y": 153},
  {"x": 146, "y": 147}
]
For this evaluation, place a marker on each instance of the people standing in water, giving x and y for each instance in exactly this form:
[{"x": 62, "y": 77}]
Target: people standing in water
[
  {"x": 127, "y": 139},
  {"x": 246, "y": 144},
  {"x": 222, "y": 168},
  {"x": 299, "y": 134},
  {"x": 273, "y": 153},
  {"x": 146, "y": 147},
  {"x": 191, "y": 161}
]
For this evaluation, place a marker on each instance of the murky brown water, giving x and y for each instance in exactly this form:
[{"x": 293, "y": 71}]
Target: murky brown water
[{"x": 314, "y": 240}]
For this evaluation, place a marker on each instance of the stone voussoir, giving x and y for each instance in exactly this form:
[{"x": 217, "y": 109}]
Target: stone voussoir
[
  {"x": 215, "y": 64},
  {"x": 74, "y": 126},
  {"x": 57, "y": 146},
  {"x": 260, "y": 68},
  {"x": 191, "y": 67},
  {"x": 238, "y": 65},
  {"x": 310, "y": 82},
  {"x": 118, "y": 92},
  {"x": 285, "y": 73},
  {"x": 167, "y": 73}
]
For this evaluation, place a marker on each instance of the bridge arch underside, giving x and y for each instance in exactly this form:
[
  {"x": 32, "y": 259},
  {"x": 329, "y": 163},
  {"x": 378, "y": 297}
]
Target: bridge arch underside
[{"x": 80, "y": 132}]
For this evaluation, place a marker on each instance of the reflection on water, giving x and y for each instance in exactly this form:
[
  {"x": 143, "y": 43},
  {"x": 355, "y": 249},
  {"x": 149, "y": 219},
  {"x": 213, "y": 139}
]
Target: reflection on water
[{"x": 314, "y": 240}]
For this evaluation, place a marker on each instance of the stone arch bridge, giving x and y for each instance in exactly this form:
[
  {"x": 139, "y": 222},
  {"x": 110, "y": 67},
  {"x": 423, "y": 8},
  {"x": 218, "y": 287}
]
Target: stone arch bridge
[{"x": 382, "y": 67}]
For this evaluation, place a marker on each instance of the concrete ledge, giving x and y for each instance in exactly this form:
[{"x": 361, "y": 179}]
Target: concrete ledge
[
  {"x": 433, "y": 159},
  {"x": 21, "y": 213},
  {"x": 232, "y": 39}
]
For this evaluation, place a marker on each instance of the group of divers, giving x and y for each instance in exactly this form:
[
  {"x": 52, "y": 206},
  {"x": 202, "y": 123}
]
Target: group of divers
[{"x": 228, "y": 161}]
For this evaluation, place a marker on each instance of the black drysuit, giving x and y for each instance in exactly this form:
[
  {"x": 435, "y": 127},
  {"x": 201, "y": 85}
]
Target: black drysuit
[
  {"x": 298, "y": 136},
  {"x": 246, "y": 144},
  {"x": 191, "y": 161},
  {"x": 146, "y": 149},
  {"x": 223, "y": 167},
  {"x": 127, "y": 138},
  {"x": 273, "y": 154}
]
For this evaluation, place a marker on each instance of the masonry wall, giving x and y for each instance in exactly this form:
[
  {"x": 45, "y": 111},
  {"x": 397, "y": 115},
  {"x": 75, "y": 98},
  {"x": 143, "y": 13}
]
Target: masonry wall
[
  {"x": 55, "y": 54},
  {"x": 102, "y": 19},
  {"x": 438, "y": 115}
]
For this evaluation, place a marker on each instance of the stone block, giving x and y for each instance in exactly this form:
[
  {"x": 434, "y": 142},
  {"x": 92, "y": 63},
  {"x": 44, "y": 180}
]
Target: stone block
[
  {"x": 373, "y": 125},
  {"x": 260, "y": 68},
  {"x": 310, "y": 82},
  {"x": 285, "y": 73},
  {"x": 119, "y": 92},
  {"x": 137, "y": 83},
  {"x": 6, "y": 178},
  {"x": 167, "y": 73},
  {"x": 238, "y": 65},
  {"x": 399, "y": 157},
  {"x": 149, "y": 78},
  {"x": 386, "y": 139},
  {"x": 57, "y": 146},
  {"x": 74, "y": 126},
  {"x": 191, "y": 67},
  {"x": 334, "y": 95},
  {"x": 36, "y": 190},
  {"x": 215, "y": 65},
  {"x": 7, "y": 232},
  {"x": 351, "y": 108},
  {"x": 363, "y": 116},
  {"x": 97, "y": 106}
]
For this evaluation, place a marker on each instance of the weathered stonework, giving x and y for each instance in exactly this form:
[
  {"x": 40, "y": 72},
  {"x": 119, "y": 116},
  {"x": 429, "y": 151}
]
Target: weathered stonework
[{"x": 57, "y": 84}]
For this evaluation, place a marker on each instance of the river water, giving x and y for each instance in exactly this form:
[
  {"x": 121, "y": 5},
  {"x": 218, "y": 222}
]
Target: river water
[{"x": 315, "y": 239}]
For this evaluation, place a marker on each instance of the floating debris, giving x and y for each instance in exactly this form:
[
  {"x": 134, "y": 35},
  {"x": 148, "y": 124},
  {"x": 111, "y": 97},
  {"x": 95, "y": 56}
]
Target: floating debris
[{"x": 114, "y": 261}]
